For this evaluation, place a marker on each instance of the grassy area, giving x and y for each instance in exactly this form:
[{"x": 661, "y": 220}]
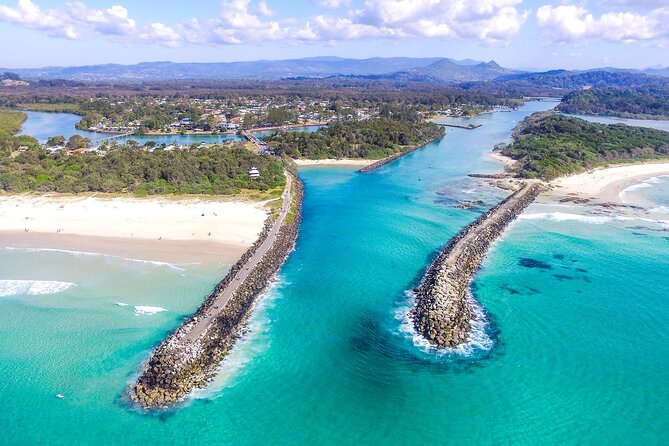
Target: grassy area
[
  {"x": 11, "y": 121},
  {"x": 292, "y": 211},
  {"x": 56, "y": 107}
]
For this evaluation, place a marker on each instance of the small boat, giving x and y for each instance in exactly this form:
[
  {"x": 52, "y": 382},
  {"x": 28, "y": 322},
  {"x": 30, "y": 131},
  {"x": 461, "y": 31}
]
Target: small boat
[{"x": 60, "y": 396}]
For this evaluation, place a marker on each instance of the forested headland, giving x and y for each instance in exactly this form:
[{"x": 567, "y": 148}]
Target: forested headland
[
  {"x": 370, "y": 139},
  {"x": 219, "y": 170},
  {"x": 649, "y": 102},
  {"x": 548, "y": 145},
  {"x": 10, "y": 124}
]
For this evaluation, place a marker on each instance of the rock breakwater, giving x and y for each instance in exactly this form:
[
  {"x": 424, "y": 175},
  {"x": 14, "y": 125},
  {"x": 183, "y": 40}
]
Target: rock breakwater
[
  {"x": 443, "y": 314},
  {"x": 188, "y": 358},
  {"x": 389, "y": 159}
]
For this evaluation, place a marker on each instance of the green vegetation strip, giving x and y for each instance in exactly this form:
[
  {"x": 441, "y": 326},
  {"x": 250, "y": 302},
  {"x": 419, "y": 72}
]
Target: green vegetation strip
[
  {"x": 370, "y": 139},
  {"x": 11, "y": 121},
  {"x": 648, "y": 102},
  {"x": 213, "y": 170},
  {"x": 548, "y": 145}
]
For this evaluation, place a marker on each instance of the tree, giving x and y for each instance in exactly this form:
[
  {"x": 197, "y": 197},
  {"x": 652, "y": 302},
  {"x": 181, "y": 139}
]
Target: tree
[
  {"x": 77, "y": 142},
  {"x": 55, "y": 141}
]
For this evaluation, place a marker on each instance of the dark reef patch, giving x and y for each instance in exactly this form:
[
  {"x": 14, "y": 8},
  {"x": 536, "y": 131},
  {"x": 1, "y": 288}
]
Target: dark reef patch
[{"x": 528, "y": 262}]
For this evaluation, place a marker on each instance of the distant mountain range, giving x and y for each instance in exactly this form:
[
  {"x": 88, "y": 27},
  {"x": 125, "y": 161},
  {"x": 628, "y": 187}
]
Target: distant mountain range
[
  {"x": 431, "y": 69},
  {"x": 434, "y": 69}
]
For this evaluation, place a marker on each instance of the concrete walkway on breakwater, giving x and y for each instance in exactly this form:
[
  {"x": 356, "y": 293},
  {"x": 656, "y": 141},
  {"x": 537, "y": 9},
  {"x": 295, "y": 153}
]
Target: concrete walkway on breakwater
[
  {"x": 188, "y": 357},
  {"x": 222, "y": 299},
  {"x": 444, "y": 313},
  {"x": 466, "y": 127}
]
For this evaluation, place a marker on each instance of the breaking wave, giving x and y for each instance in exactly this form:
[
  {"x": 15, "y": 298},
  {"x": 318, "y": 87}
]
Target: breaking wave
[
  {"x": 479, "y": 339},
  {"x": 142, "y": 310},
  {"x": 94, "y": 254},
  {"x": 32, "y": 287}
]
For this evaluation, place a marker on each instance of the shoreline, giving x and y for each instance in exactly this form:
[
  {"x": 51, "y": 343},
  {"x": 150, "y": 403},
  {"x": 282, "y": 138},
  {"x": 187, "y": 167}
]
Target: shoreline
[
  {"x": 133, "y": 249},
  {"x": 164, "y": 229},
  {"x": 333, "y": 162},
  {"x": 606, "y": 183}
]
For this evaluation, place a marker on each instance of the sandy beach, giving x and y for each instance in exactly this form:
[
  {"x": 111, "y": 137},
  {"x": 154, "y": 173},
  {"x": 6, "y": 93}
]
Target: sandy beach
[
  {"x": 508, "y": 162},
  {"x": 607, "y": 183},
  {"x": 333, "y": 162},
  {"x": 153, "y": 228}
]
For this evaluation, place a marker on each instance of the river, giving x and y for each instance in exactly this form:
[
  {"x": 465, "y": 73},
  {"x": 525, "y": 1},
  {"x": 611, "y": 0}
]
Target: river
[
  {"x": 43, "y": 125},
  {"x": 574, "y": 350}
]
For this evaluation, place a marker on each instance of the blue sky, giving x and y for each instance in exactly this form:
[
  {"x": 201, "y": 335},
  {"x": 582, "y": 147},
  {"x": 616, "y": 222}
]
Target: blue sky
[{"x": 525, "y": 34}]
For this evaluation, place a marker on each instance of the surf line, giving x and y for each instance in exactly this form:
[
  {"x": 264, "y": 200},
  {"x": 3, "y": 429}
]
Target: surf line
[
  {"x": 187, "y": 359},
  {"x": 443, "y": 314}
]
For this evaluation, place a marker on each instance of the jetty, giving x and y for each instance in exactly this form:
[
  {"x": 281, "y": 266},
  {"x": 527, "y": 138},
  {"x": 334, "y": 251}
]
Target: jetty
[
  {"x": 444, "y": 313},
  {"x": 459, "y": 126},
  {"x": 389, "y": 159},
  {"x": 187, "y": 359}
]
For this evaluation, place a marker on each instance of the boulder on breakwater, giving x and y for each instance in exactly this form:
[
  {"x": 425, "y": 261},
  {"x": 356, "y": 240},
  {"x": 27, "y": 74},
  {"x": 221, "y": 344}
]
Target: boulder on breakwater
[
  {"x": 443, "y": 314},
  {"x": 382, "y": 162},
  {"x": 179, "y": 365}
]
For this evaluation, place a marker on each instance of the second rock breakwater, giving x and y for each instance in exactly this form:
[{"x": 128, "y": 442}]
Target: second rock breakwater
[
  {"x": 443, "y": 314},
  {"x": 189, "y": 357}
]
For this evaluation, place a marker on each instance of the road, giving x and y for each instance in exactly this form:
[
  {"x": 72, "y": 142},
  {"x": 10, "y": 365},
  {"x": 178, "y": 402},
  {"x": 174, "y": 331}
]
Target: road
[{"x": 246, "y": 269}]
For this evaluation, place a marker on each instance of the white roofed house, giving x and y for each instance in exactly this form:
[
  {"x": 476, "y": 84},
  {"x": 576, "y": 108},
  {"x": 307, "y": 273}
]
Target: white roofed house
[{"x": 254, "y": 172}]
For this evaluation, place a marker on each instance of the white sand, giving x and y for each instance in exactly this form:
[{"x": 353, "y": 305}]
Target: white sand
[
  {"x": 497, "y": 156},
  {"x": 607, "y": 183},
  {"x": 333, "y": 162},
  {"x": 224, "y": 222}
]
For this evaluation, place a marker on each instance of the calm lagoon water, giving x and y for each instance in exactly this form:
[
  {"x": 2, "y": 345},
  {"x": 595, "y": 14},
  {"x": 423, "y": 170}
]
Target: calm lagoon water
[
  {"x": 650, "y": 123},
  {"x": 577, "y": 301},
  {"x": 44, "y": 125}
]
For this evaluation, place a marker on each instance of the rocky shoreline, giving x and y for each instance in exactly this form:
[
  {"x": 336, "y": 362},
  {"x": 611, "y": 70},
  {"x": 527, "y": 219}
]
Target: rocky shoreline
[
  {"x": 382, "y": 162},
  {"x": 443, "y": 314},
  {"x": 179, "y": 365}
]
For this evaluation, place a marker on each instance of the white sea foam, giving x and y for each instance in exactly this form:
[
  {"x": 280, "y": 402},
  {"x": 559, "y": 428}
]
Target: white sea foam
[
  {"x": 478, "y": 340},
  {"x": 95, "y": 254},
  {"x": 121, "y": 304},
  {"x": 253, "y": 342},
  {"x": 643, "y": 185},
  {"x": 564, "y": 216},
  {"x": 32, "y": 287},
  {"x": 592, "y": 219},
  {"x": 143, "y": 309},
  {"x": 660, "y": 209}
]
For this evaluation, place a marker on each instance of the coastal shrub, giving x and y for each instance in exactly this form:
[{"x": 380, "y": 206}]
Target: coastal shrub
[
  {"x": 218, "y": 170},
  {"x": 371, "y": 139},
  {"x": 549, "y": 145}
]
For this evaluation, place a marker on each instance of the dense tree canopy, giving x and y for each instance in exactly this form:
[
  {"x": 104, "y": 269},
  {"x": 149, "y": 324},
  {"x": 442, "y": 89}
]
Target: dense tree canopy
[
  {"x": 549, "y": 145},
  {"x": 641, "y": 102},
  {"x": 374, "y": 138},
  {"x": 210, "y": 170},
  {"x": 10, "y": 123}
]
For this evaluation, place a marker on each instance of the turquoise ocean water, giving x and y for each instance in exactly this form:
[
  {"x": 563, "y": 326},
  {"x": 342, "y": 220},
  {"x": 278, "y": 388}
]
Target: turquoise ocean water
[{"x": 575, "y": 350}]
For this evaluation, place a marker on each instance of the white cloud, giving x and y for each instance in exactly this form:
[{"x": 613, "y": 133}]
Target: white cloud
[
  {"x": 332, "y": 4},
  {"x": 486, "y": 20},
  {"x": 570, "y": 23},
  {"x": 248, "y": 21},
  {"x": 28, "y": 14},
  {"x": 264, "y": 9}
]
